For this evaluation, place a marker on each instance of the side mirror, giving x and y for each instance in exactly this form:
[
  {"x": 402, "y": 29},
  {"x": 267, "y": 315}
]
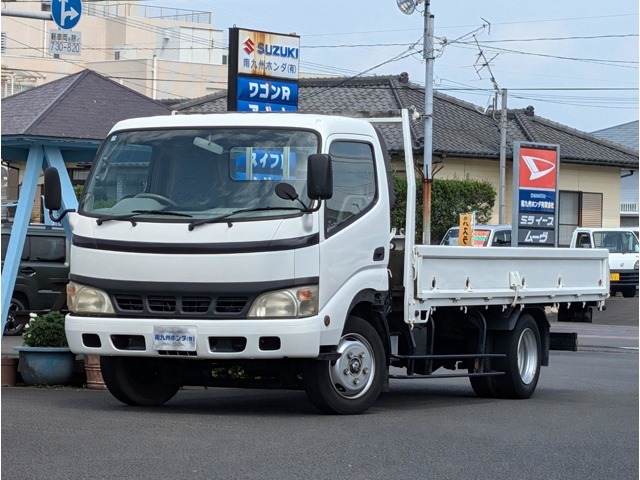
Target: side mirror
[
  {"x": 52, "y": 189},
  {"x": 53, "y": 193},
  {"x": 319, "y": 177}
]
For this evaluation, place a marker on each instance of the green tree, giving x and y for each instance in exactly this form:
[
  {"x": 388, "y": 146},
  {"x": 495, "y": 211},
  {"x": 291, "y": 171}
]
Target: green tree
[
  {"x": 449, "y": 198},
  {"x": 78, "y": 190}
]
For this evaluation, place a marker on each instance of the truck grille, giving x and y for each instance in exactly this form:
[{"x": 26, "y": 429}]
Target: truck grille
[
  {"x": 627, "y": 278},
  {"x": 176, "y": 304}
]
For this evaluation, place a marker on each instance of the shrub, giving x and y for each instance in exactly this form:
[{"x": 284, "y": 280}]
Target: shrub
[
  {"x": 449, "y": 198},
  {"x": 45, "y": 331}
]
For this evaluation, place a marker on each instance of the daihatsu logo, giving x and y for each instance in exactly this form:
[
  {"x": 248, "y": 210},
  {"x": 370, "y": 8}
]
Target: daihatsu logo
[{"x": 538, "y": 167}]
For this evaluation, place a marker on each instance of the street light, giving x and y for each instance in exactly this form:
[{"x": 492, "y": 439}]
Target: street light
[{"x": 408, "y": 7}]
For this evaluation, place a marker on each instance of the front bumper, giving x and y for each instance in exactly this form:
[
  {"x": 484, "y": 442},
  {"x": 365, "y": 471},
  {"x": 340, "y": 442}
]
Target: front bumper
[
  {"x": 619, "y": 278},
  {"x": 214, "y": 339}
]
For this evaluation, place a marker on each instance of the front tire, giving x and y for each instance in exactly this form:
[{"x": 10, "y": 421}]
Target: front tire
[
  {"x": 137, "y": 381},
  {"x": 351, "y": 384},
  {"x": 522, "y": 370}
]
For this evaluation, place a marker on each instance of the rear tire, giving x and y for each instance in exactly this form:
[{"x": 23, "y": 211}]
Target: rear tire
[
  {"x": 522, "y": 370},
  {"x": 137, "y": 381},
  {"x": 12, "y": 328},
  {"x": 351, "y": 384},
  {"x": 628, "y": 292}
]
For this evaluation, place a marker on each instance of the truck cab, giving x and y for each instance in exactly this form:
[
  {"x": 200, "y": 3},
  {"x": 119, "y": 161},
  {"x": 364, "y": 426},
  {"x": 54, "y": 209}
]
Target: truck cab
[{"x": 622, "y": 244}]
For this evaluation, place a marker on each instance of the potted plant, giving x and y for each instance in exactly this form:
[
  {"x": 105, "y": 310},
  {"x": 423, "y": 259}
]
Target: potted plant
[{"x": 45, "y": 358}]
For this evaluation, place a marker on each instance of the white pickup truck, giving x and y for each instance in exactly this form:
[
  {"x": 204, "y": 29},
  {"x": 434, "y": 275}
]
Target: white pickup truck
[
  {"x": 622, "y": 245},
  {"x": 248, "y": 249}
]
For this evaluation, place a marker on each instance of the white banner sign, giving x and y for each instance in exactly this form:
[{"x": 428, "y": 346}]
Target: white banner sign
[
  {"x": 268, "y": 54},
  {"x": 64, "y": 42}
]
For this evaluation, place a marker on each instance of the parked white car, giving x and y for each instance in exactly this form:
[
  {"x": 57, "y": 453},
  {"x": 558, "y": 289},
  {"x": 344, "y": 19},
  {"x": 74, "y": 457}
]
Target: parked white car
[{"x": 622, "y": 244}]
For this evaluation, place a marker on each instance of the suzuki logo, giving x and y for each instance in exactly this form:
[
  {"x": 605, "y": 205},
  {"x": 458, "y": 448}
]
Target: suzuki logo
[
  {"x": 249, "y": 46},
  {"x": 538, "y": 167}
]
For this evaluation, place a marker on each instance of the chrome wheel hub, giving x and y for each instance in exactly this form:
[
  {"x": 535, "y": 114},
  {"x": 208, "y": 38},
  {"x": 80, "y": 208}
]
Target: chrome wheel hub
[{"x": 353, "y": 373}]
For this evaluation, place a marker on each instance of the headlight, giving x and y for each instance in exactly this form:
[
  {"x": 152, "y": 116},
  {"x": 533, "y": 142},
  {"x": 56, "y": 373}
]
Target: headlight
[
  {"x": 84, "y": 299},
  {"x": 290, "y": 303},
  {"x": 636, "y": 265}
]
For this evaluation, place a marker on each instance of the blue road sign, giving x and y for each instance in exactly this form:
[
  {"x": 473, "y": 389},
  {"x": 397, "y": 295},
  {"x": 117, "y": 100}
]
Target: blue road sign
[{"x": 66, "y": 13}]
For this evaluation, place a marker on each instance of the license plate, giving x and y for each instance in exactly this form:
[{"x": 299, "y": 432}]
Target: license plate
[
  {"x": 614, "y": 277},
  {"x": 180, "y": 338}
]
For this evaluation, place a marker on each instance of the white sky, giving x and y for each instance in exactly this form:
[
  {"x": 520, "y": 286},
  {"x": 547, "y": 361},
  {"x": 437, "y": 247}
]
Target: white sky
[{"x": 374, "y": 32}]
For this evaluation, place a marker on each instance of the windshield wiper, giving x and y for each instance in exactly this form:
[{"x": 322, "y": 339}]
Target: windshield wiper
[
  {"x": 194, "y": 224},
  {"x": 135, "y": 213}
]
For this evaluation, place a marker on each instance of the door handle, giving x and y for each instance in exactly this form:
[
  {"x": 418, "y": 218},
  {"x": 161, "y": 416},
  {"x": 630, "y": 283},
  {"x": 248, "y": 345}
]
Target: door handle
[
  {"x": 378, "y": 254},
  {"x": 28, "y": 271}
]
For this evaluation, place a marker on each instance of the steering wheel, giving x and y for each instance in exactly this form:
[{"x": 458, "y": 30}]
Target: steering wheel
[{"x": 158, "y": 198}]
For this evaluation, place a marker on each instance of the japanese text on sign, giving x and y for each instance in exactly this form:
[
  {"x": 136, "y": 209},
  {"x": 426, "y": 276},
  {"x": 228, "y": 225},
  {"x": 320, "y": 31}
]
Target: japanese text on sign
[
  {"x": 64, "y": 42},
  {"x": 267, "y": 91}
]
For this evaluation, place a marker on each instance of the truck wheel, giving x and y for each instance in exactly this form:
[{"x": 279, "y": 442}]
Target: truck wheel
[
  {"x": 137, "y": 381},
  {"x": 628, "y": 292},
  {"x": 12, "y": 327},
  {"x": 522, "y": 368},
  {"x": 351, "y": 384}
]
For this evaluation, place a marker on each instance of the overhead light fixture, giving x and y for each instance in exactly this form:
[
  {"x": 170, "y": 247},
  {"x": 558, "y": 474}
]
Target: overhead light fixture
[{"x": 406, "y": 6}]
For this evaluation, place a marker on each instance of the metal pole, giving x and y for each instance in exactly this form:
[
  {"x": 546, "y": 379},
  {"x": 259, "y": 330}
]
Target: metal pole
[
  {"x": 503, "y": 157},
  {"x": 428, "y": 126},
  {"x": 32, "y": 15}
]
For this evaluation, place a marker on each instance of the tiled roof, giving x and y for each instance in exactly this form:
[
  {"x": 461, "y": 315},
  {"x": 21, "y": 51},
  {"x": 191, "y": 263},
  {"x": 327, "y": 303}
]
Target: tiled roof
[
  {"x": 459, "y": 128},
  {"x": 81, "y": 106},
  {"x": 625, "y": 134}
]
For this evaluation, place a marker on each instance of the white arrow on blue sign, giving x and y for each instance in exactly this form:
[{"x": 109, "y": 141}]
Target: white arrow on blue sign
[{"x": 66, "y": 13}]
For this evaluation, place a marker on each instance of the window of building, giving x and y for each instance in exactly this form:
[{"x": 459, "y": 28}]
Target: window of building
[{"x": 577, "y": 209}]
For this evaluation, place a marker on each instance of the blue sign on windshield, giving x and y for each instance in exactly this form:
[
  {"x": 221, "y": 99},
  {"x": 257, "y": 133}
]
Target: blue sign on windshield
[{"x": 264, "y": 165}]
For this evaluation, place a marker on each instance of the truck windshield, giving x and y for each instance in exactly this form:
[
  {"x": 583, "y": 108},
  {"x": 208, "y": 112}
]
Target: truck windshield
[
  {"x": 185, "y": 174},
  {"x": 616, "y": 242}
]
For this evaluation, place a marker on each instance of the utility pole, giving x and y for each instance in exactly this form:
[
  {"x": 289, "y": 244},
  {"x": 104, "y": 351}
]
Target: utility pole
[
  {"x": 503, "y": 157},
  {"x": 427, "y": 167},
  {"x": 408, "y": 7}
]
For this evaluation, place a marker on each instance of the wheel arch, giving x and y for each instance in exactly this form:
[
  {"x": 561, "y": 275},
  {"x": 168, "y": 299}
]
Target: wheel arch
[
  {"x": 370, "y": 306},
  {"x": 22, "y": 294},
  {"x": 507, "y": 321}
]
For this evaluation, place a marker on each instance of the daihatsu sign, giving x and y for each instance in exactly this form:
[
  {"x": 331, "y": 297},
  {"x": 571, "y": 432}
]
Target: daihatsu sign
[
  {"x": 263, "y": 71},
  {"x": 535, "y": 194}
]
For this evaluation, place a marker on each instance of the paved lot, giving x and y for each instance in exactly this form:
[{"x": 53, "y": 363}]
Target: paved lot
[
  {"x": 586, "y": 403},
  {"x": 582, "y": 423}
]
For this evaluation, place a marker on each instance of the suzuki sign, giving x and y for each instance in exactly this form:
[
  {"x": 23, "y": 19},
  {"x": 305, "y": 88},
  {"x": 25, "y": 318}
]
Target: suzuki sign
[
  {"x": 265, "y": 67},
  {"x": 535, "y": 194}
]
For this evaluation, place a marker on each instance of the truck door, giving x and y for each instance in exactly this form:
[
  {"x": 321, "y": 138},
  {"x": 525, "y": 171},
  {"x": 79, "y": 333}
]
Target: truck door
[{"x": 356, "y": 221}]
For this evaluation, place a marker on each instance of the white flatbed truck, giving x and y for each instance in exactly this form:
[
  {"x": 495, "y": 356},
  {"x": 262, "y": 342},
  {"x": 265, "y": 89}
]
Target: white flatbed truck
[{"x": 256, "y": 250}]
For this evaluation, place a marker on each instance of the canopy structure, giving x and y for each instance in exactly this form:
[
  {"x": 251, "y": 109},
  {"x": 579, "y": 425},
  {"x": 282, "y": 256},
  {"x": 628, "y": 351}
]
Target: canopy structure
[{"x": 55, "y": 125}]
